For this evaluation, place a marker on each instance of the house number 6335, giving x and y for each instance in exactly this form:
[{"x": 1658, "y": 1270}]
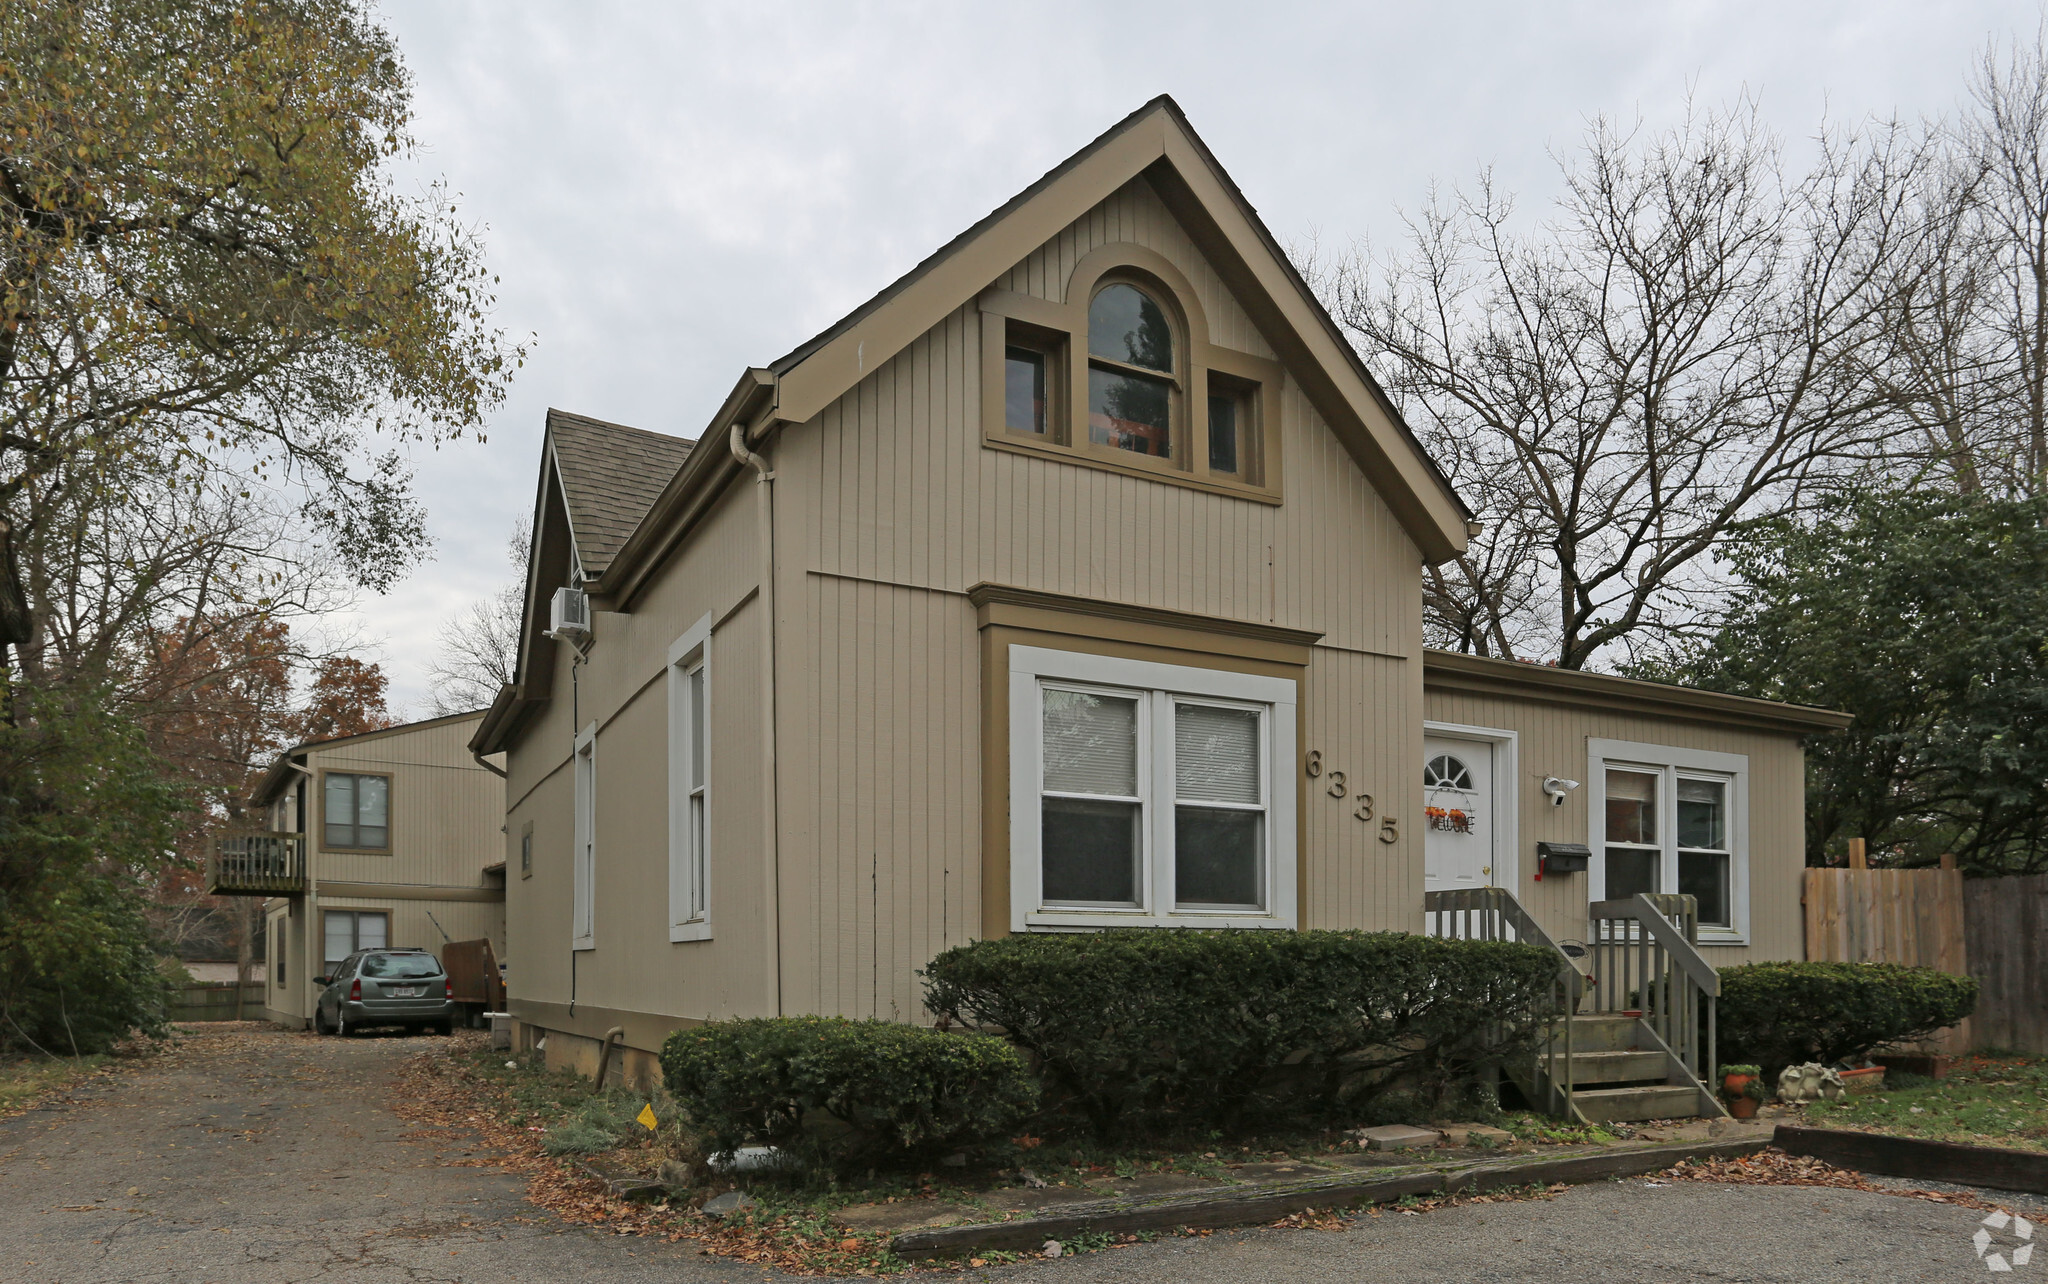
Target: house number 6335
[{"x": 1390, "y": 828}]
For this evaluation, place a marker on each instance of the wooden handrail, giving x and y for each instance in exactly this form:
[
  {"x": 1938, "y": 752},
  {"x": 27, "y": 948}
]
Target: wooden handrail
[
  {"x": 1492, "y": 911},
  {"x": 1641, "y": 909}
]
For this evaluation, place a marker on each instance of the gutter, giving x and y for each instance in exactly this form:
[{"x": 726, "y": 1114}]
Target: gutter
[
  {"x": 764, "y": 479},
  {"x": 1454, "y": 671}
]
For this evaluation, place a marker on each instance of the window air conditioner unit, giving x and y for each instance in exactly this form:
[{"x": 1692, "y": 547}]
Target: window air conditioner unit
[{"x": 569, "y": 614}]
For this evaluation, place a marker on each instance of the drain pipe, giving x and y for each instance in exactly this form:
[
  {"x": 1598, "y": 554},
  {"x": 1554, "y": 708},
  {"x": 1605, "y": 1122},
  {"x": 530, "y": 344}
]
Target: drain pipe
[
  {"x": 764, "y": 476},
  {"x": 604, "y": 1058}
]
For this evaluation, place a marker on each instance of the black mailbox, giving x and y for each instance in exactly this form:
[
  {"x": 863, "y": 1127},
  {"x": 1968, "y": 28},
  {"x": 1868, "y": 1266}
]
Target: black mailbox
[{"x": 1561, "y": 858}]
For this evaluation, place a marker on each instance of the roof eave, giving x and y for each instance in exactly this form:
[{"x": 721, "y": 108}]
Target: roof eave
[{"x": 1450, "y": 670}]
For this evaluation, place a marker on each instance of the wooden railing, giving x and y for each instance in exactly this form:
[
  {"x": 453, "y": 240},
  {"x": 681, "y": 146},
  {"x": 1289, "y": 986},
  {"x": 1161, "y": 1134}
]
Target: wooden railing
[
  {"x": 1646, "y": 961},
  {"x": 1493, "y": 914},
  {"x": 257, "y": 864}
]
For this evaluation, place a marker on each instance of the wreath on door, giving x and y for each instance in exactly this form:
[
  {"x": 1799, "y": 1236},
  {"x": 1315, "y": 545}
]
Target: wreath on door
[{"x": 1450, "y": 803}]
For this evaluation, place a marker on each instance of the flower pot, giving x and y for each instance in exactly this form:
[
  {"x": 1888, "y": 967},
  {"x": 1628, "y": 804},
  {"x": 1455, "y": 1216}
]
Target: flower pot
[
  {"x": 1868, "y": 1079},
  {"x": 1735, "y": 1091}
]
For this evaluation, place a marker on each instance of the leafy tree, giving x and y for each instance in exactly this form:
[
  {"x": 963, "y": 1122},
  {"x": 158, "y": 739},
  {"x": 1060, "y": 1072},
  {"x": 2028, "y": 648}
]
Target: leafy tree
[
  {"x": 207, "y": 273},
  {"x": 87, "y": 818},
  {"x": 1925, "y": 616}
]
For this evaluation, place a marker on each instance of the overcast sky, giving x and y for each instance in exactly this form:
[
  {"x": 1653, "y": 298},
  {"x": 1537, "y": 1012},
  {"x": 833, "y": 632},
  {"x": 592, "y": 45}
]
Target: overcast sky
[{"x": 672, "y": 192}]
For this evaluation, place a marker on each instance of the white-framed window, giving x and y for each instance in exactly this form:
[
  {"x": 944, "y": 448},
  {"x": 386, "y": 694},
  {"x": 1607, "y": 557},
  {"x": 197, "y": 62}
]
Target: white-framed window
[
  {"x": 689, "y": 784},
  {"x": 583, "y": 894},
  {"x": 1145, "y": 794},
  {"x": 1665, "y": 819}
]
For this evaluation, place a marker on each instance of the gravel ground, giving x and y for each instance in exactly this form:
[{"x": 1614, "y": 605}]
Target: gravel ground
[{"x": 254, "y": 1155}]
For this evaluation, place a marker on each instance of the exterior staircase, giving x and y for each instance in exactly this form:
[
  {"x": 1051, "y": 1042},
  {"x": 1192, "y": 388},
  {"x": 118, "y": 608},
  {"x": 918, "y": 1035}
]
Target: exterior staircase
[
  {"x": 1624, "y": 1038},
  {"x": 1620, "y": 1071}
]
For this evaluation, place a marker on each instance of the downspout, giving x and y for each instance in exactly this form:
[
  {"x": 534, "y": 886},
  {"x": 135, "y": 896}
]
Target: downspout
[{"x": 770, "y": 820}]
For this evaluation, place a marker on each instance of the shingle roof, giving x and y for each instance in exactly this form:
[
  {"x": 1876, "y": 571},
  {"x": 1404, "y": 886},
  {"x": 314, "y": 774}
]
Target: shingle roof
[{"x": 611, "y": 475}]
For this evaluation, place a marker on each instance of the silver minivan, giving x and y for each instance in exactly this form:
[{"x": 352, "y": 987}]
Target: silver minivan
[{"x": 385, "y": 987}]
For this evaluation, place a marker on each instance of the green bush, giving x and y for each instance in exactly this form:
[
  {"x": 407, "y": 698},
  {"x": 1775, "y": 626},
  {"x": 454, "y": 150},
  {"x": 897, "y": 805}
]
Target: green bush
[
  {"x": 842, "y": 1093},
  {"x": 1780, "y": 1014},
  {"x": 1219, "y": 1029}
]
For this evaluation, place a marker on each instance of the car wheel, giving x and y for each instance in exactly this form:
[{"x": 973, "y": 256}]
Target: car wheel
[
  {"x": 342, "y": 1027},
  {"x": 446, "y": 1029},
  {"x": 320, "y": 1021}
]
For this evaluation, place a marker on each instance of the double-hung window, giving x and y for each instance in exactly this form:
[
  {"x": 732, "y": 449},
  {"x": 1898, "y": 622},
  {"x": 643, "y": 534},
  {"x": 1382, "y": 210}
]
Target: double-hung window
[
  {"x": 1144, "y": 794},
  {"x": 689, "y": 784},
  {"x": 1673, "y": 820},
  {"x": 583, "y": 876},
  {"x": 357, "y": 811},
  {"x": 348, "y": 931}
]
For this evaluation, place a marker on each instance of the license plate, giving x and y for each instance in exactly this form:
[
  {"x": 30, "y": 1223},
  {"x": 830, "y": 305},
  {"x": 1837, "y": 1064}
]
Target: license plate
[{"x": 408, "y": 991}]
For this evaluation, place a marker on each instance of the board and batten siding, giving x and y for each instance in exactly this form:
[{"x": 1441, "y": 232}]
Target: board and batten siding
[
  {"x": 891, "y": 508},
  {"x": 623, "y": 690},
  {"x": 445, "y": 809},
  {"x": 1553, "y": 742}
]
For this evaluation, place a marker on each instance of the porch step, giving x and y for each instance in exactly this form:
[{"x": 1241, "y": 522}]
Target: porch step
[
  {"x": 1615, "y": 1067},
  {"x": 1624, "y": 1105},
  {"x": 1605, "y": 1033}
]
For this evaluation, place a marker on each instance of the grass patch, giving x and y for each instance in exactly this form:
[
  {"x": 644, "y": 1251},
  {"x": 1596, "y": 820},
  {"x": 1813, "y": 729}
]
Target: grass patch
[
  {"x": 1988, "y": 1099},
  {"x": 27, "y": 1081}
]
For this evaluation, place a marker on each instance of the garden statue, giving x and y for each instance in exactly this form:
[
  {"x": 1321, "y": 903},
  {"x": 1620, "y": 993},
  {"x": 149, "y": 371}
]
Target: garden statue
[{"x": 1809, "y": 1082}]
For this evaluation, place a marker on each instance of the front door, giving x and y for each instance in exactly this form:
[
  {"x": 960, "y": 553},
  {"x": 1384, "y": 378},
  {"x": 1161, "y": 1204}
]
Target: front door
[{"x": 1458, "y": 820}]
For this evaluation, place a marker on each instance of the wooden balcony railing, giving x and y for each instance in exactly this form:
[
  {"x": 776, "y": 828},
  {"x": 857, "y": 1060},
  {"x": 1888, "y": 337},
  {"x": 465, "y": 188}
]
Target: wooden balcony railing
[{"x": 257, "y": 864}]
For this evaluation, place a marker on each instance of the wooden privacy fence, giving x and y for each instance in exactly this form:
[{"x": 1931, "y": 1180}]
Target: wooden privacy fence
[
  {"x": 2008, "y": 928},
  {"x": 1909, "y": 916}
]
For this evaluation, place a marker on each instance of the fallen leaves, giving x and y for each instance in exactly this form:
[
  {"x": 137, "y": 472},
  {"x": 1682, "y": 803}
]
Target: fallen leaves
[{"x": 1775, "y": 1167}]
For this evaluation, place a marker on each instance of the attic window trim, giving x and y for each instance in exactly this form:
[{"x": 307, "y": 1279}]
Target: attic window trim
[{"x": 1059, "y": 331}]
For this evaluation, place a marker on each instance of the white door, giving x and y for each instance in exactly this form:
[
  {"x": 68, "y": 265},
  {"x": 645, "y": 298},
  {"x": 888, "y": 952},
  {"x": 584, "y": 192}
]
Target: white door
[{"x": 1457, "y": 818}]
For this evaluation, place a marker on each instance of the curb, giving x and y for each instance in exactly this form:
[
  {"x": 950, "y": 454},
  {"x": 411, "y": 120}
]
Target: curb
[
  {"x": 1876, "y": 1152},
  {"x": 1270, "y": 1201}
]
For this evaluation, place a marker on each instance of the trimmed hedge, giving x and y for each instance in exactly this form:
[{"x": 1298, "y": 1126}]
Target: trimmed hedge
[
  {"x": 1140, "y": 1027},
  {"x": 881, "y": 1091},
  {"x": 1780, "y": 1014}
]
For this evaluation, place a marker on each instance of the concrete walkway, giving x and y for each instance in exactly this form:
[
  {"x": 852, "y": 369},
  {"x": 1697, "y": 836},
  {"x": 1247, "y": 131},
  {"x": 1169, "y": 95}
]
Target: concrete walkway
[{"x": 273, "y": 1158}]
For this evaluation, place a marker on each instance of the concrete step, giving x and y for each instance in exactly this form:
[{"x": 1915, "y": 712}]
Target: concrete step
[
  {"x": 1623, "y": 1105},
  {"x": 1613, "y": 1067}
]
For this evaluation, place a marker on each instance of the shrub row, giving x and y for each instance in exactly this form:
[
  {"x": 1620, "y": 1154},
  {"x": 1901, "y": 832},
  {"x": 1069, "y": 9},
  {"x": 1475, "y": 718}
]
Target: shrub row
[
  {"x": 1126, "y": 1029},
  {"x": 1217, "y": 1029},
  {"x": 1780, "y": 1014},
  {"x": 841, "y": 1093}
]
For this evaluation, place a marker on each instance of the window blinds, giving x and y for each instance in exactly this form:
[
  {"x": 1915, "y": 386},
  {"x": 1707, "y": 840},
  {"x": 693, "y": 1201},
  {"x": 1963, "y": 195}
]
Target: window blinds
[
  {"x": 1216, "y": 754},
  {"x": 1091, "y": 744}
]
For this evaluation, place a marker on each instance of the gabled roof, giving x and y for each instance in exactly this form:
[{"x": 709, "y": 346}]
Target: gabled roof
[
  {"x": 611, "y": 475},
  {"x": 635, "y": 511},
  {"x": 272, "y": 780}
]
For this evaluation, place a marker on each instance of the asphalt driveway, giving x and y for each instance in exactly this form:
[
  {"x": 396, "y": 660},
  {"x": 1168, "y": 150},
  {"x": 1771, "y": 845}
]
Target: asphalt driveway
[{"x": 272, "y": 1157}]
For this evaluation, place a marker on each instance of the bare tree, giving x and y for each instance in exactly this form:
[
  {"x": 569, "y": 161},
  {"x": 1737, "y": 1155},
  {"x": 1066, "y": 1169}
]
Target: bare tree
[
  {"x": 1967, "y": 361},
  {"x": 480, "y": 647},
  {"x": 1680, "y": 350}
]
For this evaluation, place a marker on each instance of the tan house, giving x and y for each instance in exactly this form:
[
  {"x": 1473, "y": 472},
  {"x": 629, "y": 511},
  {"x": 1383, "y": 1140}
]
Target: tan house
[
  {"x": 1073, "y": 581},
  {"x": 394, "y": 837}
]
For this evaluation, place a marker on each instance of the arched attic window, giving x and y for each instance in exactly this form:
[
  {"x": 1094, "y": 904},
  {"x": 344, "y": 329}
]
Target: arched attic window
[{"x": 1132, "y": 375}]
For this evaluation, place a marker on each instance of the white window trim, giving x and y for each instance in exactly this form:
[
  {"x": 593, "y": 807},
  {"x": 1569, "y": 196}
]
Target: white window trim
[
  {"x": 1028, "y": 666},
  {"x": 687, "y": 866},
  {"x": 583, "y": 860},
  {"x": 1669, "y": 762},
  {"x": 1507, "y": 795}
]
